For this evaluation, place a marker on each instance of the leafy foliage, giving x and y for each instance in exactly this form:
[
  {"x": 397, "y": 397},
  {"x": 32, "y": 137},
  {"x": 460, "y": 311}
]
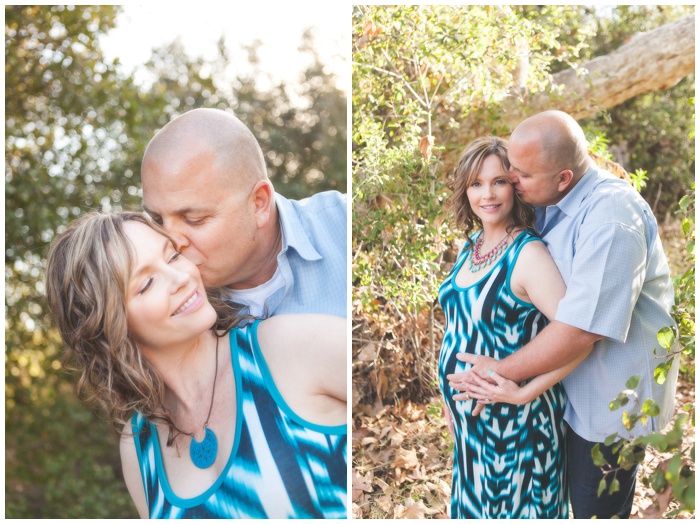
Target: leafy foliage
[
  {"x": 423, "y": 75},
  {"x": 75, "y": 130}
]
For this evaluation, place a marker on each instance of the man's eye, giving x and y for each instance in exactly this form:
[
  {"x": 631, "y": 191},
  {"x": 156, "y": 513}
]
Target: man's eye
[{"x": 175, "y": 256}]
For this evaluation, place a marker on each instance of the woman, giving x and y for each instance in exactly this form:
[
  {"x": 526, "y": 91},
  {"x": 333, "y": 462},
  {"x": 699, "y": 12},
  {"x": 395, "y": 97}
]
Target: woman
[
  {"x": 508, "y": 456},
  {"x": 249, "y": 425}
]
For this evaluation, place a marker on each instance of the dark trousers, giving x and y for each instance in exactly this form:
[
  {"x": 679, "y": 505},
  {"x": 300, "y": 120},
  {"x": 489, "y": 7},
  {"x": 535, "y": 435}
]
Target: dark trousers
[{"x": 584, "y": 478}]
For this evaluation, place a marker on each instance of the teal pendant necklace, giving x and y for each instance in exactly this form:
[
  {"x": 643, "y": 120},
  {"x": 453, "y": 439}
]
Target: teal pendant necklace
[{"x": 203, "y": 454}]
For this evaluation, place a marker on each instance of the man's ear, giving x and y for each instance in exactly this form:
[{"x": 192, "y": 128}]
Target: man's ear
[
  {"x": 263, "y": 202},
  {"x": 565, "y": 179}
]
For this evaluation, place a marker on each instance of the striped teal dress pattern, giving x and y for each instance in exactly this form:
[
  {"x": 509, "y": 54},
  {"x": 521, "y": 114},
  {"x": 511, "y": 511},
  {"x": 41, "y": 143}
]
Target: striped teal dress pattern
[
  {"x": 280, "y": 467},
  {"x": 509, "y": 460}
]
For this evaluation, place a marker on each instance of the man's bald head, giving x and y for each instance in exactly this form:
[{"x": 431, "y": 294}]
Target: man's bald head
[
  {"x": 557, "y": 138},
  {"x": 218, "y": 133}
]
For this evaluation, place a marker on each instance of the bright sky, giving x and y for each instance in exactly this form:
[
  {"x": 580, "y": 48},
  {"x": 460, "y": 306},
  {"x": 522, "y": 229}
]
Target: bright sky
[{"x": 279, "y": 25}]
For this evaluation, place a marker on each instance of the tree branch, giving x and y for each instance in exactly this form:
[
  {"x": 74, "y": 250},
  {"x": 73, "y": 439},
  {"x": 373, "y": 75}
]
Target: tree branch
[{"x": 651, "y": 61}]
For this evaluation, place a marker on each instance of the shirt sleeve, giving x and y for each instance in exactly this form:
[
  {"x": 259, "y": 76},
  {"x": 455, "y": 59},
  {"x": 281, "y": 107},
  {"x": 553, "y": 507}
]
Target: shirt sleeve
[{"x": 607, "y": 274}]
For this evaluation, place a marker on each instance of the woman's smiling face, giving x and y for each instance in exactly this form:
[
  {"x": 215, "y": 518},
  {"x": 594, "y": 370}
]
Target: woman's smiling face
[
  {"x": 491, "y": 194},
  {"x": 166, "y": 302}
]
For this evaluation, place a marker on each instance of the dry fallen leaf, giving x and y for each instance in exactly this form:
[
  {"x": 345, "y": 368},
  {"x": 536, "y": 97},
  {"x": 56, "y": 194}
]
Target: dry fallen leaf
[
  {"x": 385, "y": 503},
  {"x": 371, "y": 29},
  {"x": 417, "y": 509},
  {"x": 426, "y": 146},
  {"x": 406, "y": 459},
  {"x": 368, "y": 353},
  {"x": 361, "y": 483}
]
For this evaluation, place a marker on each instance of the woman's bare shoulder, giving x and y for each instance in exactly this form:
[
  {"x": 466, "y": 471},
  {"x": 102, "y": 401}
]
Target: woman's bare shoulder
[{"x": 534, "y": 251}]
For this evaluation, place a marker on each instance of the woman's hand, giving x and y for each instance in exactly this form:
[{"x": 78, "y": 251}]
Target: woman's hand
[
  {"x": 481, "y": 365},
  {"x": 503, "y": 390}
]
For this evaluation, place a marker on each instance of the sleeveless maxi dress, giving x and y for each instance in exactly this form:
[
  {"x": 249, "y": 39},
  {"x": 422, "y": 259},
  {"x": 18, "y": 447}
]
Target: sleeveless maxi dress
[{"x": 509, "y": 461}]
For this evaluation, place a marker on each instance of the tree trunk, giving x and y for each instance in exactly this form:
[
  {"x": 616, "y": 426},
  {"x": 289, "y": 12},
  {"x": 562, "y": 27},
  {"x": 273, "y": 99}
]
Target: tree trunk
[{"x": 651, "y": 61}]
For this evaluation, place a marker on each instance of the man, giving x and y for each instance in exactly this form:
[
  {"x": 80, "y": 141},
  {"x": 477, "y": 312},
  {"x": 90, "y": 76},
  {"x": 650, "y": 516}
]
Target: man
[
  {"x": 205, "y": 181},
  {"x": 605, "y": 242}
]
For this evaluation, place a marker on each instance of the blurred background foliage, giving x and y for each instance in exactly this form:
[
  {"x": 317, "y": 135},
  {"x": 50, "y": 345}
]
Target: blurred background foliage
[
  {"x": 76, "y": 127},
  {"x": 428, "y": 80}
]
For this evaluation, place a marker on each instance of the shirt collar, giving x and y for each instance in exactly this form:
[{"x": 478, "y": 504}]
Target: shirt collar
[{"x": 293, "y": 232}]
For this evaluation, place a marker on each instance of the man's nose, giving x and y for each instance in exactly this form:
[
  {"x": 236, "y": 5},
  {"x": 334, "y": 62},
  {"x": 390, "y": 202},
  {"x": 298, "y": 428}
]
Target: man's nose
[{"x": 177, "y": 233}]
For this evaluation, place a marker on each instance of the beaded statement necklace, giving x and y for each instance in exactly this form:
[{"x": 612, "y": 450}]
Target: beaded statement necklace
[
  {"x": 203, "y": 454},
  {"x": 478, "y": 261}
]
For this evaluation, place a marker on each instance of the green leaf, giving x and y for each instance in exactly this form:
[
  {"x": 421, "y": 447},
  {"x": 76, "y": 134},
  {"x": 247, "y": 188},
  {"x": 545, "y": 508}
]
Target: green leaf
[
  {"x": 633, "y": 382},
  {"x": 621, "y": 400},
  {"x": 688, "y": 497},
  {"x": 629, "y": 420},
  {"x": 656, "y": 440},
  {"x": 661, "y": 372},
  {"x": 614, "y": 486},
  {"x": 617, "y": 446},
  {"x": 657, "y": 480},
  {"x": 650, "y": 408},
  {"x": 611, "y": 439},
  {"x": 673, "y": 467},
  {"x": 666, "y": 336},
  {"x": 685, "y": 225},
  {"x": 601, "y": 486},
  {"x": 597, "y": 456}
]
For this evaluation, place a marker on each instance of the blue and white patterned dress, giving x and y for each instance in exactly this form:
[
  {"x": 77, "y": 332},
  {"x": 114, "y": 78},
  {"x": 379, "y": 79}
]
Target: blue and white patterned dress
[
  {"x": 509, "y": 461},
  {"x": 280, "y": 467}
]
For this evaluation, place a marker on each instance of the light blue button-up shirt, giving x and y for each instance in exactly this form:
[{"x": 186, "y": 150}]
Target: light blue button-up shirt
[
  {"x": 313, "y": 260},
  {"x": 605, "y": 242}
]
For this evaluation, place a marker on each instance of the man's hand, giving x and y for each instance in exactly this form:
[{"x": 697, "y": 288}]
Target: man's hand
[{"x": 481, "y": 365}]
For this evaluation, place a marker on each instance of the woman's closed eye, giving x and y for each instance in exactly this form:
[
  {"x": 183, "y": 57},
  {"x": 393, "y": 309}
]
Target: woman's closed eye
[{"x": 146, "y": 286}]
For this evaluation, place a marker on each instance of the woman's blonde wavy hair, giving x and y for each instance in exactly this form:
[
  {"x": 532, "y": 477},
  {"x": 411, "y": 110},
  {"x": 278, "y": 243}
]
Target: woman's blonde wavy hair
[
  {"x": 87, "y": 275},
  {"x": 467, "y": 170}
]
